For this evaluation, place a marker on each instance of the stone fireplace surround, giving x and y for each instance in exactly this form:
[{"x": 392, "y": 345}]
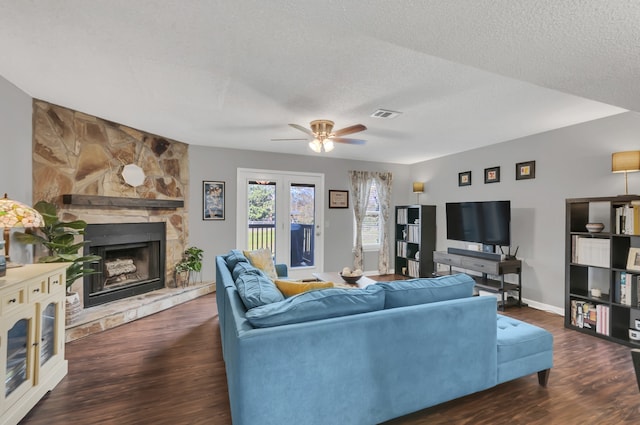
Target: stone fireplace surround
[{"x": 82, "y": 156}]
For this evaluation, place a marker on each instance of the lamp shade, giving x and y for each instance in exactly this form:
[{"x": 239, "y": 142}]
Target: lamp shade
[
  {"x": 627, "y": 161},
  {"x": 16, "y": 214},
  {"x": 418, "y": 187}
]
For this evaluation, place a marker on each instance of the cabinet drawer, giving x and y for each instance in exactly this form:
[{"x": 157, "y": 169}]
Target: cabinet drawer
[
  {"x": 12, "y": 300},
  {"x": 446, "y": 258},
  {"x": 56, "y": 283},
  {"x": 480, "y": 265},
  {"x": 38, "y": 289}
]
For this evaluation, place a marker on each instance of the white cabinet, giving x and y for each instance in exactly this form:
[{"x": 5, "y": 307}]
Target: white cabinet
[{"x": 32, "y": 339}]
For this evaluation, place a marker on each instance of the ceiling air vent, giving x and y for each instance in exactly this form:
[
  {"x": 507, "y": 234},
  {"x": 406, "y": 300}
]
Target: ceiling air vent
[{"x": 385, "y": 113}]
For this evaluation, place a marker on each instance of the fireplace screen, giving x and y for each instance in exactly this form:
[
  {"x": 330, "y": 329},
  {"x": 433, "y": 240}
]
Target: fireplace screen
[{"x": 132, "y": 260}]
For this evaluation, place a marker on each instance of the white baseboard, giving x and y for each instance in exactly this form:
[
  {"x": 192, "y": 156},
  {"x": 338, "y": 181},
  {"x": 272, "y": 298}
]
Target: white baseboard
[{"x": 544, "y": 307}]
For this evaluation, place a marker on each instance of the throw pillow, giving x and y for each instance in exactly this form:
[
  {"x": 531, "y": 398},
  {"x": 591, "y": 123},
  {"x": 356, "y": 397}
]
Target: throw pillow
[
  {"x": 262, "y": 259},
  {"x": 316, "y": 305},
  {"x": 257, "y": 290},
  {"x": 291, "y": 287},
  {"x": 402, "y": 293},
  {"x": 244, "y": 268},
  {"x": 234, "y": 257}
]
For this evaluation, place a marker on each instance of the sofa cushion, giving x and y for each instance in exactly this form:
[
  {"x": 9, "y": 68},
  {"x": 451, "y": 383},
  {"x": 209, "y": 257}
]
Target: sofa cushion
[
  {"x": 245, "y": 268},
  {"x": 262, "y": 259},
  {"x": 292, "y": 287},
  {"x": 316, "y": 305},
  {"x": 402, "y": 293},
  {"x": 518, "y": 339},
  {"x": 256, "y": 290},
  {"x": 234, "y": 257}
]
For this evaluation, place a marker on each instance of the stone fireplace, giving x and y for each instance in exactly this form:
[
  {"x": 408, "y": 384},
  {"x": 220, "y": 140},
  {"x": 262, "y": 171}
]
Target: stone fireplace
[
  {"x": 78, "y": 162},
  {"x": 132, "y": 260}
]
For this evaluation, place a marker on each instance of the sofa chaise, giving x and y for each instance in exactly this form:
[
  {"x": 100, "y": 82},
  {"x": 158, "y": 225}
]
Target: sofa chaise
[{"x": 385, "y": 351}]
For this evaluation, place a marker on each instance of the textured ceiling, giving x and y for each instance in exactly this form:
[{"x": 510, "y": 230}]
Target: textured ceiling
[{"x": 234, "y": 73}]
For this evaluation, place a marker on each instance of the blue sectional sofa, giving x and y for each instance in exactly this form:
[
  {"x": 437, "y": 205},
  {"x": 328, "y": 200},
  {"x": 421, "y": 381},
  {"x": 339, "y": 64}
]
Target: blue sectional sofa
[{"x": 382, "y": 352}]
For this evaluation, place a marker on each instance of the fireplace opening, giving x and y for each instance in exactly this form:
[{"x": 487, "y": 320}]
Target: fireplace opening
[{"x": 132, "y": 260}]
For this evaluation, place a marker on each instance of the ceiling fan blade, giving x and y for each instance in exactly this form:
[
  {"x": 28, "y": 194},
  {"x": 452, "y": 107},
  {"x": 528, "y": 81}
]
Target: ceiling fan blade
[
  {"x": 349, "y": 130},
  {"x": 285, "y": 140},
  {"x": 303, "y": 129},
  {"x": 348, "y": 141}
]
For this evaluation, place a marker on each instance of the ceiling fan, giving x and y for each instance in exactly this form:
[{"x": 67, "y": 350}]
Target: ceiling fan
[{"x": 324, "y": 137}]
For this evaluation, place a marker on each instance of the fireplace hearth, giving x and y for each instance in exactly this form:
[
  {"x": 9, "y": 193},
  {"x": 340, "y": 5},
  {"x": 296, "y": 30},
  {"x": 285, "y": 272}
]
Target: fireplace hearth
[{"x": 132, "y": 260}]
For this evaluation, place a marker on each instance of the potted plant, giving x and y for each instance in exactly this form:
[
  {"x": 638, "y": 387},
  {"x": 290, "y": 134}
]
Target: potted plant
[
  {"x": 191, "y": 262},
  {"x": 59, "y": 238}
]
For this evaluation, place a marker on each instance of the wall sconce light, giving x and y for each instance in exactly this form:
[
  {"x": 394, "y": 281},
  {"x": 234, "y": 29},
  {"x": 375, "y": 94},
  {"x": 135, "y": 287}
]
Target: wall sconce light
[
  {"x": 625, "y": 162},
  {"x": 16, "y": 214},
  {"x": 418, "y": 188}
]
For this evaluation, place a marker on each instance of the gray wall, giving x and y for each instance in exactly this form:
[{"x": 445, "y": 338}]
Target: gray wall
[
  {"x": 15, "y": 143},
  {"x": 571, "y": 162},
  {"x": 218, "y": 237}
]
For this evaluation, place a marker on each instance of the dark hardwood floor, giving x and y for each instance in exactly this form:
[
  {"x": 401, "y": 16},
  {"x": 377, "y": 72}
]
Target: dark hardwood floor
[{"x": 167, "y": 369}]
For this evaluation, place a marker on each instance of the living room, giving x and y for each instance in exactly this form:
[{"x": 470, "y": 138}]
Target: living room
[{"x": 572, "y": 160}]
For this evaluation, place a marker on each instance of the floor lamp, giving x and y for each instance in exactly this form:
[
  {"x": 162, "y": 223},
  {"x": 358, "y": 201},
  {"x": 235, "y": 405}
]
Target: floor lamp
[
  {"x": 625, "y": 162},
  {"x": 418, "y": 188}
]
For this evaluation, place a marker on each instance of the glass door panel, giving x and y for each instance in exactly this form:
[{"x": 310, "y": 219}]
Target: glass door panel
[
  {"x": 47, "y": 337},
  {"x": 302, "y": 213},
  {"x": 17, "y": 371},
  {"x": 261, "y": 207}
]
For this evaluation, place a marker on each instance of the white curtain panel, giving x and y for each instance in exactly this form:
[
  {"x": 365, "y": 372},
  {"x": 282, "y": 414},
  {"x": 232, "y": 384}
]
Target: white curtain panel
[
  {"x": 360, "y": 187},
  {"x": 383, "y": 182}
]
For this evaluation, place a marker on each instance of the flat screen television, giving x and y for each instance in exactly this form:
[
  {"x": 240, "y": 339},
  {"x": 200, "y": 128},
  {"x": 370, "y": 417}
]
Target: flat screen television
[{"x": 488, "y": 222}]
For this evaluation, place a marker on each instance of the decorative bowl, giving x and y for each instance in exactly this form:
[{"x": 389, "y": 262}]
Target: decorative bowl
[
  {"x": 350, "y": 279},
  {"x": 594, "y": 227}
]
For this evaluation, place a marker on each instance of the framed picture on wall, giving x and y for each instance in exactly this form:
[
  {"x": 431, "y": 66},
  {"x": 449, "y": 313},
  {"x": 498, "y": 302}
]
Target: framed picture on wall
[
  {"x": 526, "y": 170},
  {"x": 213, "y": 200},
  {"x": 338, "y": 199},
  {"x": 464, "y": 178},
  {"x": 492, "y": 175}
]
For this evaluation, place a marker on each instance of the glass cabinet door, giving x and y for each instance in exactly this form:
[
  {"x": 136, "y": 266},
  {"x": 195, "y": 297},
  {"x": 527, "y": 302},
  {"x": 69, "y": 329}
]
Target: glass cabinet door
[
  {"x": 47, "y": 333},
  {"x": 17, "y": 371}
]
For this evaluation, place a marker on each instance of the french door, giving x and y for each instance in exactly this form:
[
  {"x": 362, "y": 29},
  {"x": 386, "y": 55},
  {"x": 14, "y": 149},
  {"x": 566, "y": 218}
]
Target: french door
[{"x": 282, "y": 211}]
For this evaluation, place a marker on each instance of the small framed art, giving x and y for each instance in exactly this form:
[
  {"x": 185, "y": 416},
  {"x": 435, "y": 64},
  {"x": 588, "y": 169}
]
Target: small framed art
[
  {"x": 464, "y": 178},
  {"x": 492, "y": 175},
  {"x": 633, "y": 260},
  {"x": 526, "y": 170},
  {"x": 338, "y": 199},
  {"x": 213, "y": 200}
]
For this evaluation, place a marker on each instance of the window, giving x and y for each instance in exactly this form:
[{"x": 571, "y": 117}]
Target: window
[{"x": 371, "y": 223}]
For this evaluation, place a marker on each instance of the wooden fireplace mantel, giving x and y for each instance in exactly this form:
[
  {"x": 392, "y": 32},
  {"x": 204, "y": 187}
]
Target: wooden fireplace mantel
[{"x": 120, "y": 202}]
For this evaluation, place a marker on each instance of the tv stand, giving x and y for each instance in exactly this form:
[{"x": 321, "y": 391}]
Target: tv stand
[{"x": 457, "y": 258}]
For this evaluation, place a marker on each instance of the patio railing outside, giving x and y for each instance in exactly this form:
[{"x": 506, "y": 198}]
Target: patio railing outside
[{"x": 261, "y": 235}]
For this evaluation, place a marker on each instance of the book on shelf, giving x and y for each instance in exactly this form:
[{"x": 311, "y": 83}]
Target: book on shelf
[
  {"x": 628, "y": 290},
  {"x": 402, "y": 215},
  {"x": 589, "y": 316},
  {"x": 590, "y": 251},
  {"x": 628, "y": 219},
  {"x": 621, "y": 296},
  {"x": 602, "y": 314}
]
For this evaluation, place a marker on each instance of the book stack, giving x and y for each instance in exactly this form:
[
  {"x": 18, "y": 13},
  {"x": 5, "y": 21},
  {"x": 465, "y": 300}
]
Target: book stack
[
  {"x": 628, "y": 219},
  {"x": 402, "y": 215},
  {"x": 589, "y": 316},
  {"x": 413, "y": 268},
  {"x": 628, "y": 290},
  {"x": 401, "y": 249},
  {"x": 590, "y": 251}
]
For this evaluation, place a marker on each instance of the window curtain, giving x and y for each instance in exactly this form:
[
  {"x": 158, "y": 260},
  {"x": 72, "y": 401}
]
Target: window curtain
[
  {"x": 360, "y": 188},
  {"x": 383, "y": 183}
]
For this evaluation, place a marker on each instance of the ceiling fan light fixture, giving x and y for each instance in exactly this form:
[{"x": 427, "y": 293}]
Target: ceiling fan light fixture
[
  {"x": 328, "y": 145},
  {"x": 316, "y": 145}
]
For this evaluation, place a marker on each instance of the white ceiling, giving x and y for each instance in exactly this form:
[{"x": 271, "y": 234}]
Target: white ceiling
[{"x": 234, "y": 73}]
